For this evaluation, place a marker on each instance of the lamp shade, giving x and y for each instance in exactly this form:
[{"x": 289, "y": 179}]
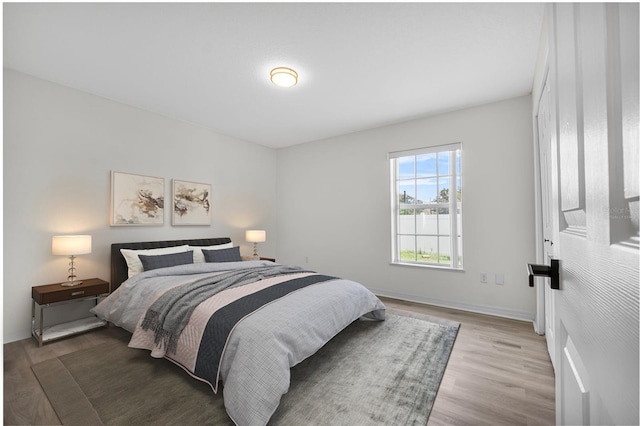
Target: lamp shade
[
  {"x": 70, "y": 245},
  {"x": 255, "y": 236}
]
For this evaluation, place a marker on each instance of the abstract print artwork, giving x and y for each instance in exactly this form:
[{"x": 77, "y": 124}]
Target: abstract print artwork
[
  {"x": 136, "y": 200},
  {"x": 191, "y": 203}
]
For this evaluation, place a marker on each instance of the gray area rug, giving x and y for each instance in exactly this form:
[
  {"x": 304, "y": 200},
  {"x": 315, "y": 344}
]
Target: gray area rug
[{"x": 372, "y": 373}]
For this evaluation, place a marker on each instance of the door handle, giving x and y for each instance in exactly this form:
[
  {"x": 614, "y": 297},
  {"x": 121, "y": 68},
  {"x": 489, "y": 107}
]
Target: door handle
[{"x": 550, "y": 271}]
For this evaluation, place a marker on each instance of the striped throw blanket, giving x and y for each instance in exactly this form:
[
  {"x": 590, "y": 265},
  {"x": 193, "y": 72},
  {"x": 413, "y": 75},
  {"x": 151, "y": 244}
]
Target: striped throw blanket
[{"x": 168, "y": 315}]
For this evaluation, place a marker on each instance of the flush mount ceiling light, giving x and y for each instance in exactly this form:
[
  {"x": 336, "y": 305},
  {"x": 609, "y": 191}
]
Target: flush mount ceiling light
[{"x": 284, "y": 77}]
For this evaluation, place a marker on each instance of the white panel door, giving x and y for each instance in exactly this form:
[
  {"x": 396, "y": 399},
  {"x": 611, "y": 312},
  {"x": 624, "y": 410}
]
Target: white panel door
[{"x": 594, "y": 70}]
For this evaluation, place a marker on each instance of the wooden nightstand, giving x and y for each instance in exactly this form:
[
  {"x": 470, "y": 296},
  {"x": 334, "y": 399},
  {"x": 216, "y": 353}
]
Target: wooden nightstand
[{"x": 46, "y": 296}]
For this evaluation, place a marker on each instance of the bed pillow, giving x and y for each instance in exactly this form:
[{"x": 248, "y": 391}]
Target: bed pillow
[
  {"x": 223, "y": 255},
  {"x": 133, "y": 262},
  {"x": 165, "y": 260},
  {"x": 198, "y": 257}
]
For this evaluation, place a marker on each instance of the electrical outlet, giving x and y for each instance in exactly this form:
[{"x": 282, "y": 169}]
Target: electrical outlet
[
  {"x": 500, "y": 279},
  {"x": 483, "y": 277}
]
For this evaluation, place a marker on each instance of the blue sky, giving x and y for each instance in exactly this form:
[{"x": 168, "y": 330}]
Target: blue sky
[{"x": 426, "y": 174}]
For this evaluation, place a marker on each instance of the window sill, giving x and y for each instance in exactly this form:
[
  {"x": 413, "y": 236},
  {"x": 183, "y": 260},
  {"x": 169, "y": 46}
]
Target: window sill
[{"x": 422, "y": 265}]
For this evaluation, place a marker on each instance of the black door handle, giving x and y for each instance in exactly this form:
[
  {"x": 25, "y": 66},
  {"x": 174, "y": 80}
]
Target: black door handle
[{"x": 551, "y": 271}]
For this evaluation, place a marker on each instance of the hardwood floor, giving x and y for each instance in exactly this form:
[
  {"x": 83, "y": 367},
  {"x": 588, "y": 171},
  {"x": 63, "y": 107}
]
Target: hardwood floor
[
  {"x": 24, "y": 400},
  {"x": 499, "y": 373}
]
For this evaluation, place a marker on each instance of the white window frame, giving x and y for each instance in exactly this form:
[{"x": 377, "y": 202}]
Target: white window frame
[{"x": 454, "y": 205}]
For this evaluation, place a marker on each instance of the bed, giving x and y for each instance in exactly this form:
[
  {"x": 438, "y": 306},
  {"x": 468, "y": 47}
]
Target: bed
[{"x": 237, "y": 325}]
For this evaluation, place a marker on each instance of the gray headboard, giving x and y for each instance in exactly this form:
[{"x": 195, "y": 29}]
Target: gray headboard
[{"x": 119, "y": 270}]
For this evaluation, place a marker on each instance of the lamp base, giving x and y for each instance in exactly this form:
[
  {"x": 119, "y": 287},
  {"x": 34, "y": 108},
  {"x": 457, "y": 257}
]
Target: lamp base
[{"x": 71, "y": 283}]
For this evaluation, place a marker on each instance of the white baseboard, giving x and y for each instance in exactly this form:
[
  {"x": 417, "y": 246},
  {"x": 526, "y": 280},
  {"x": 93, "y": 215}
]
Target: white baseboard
[
  {"x": 14, "y": 337},
  {"x": 479, "y": 309}
]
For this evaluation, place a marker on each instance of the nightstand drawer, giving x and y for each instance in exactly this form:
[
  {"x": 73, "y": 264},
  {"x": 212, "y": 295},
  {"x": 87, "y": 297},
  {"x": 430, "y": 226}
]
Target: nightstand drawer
[{"x": 53, "y": 293}]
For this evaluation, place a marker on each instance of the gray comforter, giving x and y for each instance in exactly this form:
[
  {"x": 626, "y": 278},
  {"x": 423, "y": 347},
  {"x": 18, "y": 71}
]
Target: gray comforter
[{"x": 263, "y": 346}]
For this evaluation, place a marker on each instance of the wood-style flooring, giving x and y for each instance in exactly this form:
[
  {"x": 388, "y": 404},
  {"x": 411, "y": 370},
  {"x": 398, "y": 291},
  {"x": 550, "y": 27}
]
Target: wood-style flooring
[{"x": 499, "y": 373}]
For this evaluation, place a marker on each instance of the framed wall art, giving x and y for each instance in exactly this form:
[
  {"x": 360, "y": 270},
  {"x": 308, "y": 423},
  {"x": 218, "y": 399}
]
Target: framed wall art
[
  {"x": 191, "y": 203},
  {"x": 136, "y": 200}
]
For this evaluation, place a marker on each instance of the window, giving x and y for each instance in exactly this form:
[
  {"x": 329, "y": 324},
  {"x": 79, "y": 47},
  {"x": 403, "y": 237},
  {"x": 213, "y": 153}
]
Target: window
[{"x": 426, "y": 201}]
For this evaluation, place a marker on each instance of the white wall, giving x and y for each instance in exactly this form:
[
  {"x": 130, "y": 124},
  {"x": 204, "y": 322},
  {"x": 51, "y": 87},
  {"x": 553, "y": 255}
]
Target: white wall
[
  {"x": 322, "y": 184},
  {"x": 59, "y": 148}
]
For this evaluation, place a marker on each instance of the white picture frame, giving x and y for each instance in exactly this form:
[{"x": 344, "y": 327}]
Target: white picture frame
[
  {"x": 136, "y": 200},
  {"x": 191, "y": 203}
]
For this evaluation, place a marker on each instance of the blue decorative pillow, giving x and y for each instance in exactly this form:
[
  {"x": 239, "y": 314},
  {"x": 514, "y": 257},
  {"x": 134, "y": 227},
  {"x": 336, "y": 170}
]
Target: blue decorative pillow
[
  {"x": 166, "y": 260},
  {"x": 223, "y": 255}
]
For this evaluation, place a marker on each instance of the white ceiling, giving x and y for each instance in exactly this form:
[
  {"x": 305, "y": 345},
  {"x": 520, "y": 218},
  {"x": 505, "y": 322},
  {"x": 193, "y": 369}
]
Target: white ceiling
[{"x": 361, "y": 65}]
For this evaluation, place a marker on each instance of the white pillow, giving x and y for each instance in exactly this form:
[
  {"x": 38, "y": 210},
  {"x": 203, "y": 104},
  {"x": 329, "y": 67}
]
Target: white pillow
[
  {"x": 198, "y": 256},
  {"x": 134, "y": 263}
]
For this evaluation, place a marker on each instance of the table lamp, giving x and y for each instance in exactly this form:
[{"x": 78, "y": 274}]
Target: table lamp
[
  {"x": 255, "y": 236},
  {"x": 71, "y": 245}
]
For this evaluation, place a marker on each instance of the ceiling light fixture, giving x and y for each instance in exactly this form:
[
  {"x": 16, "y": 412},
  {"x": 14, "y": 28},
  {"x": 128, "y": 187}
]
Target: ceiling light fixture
[{"x": 284, "y": 77}]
